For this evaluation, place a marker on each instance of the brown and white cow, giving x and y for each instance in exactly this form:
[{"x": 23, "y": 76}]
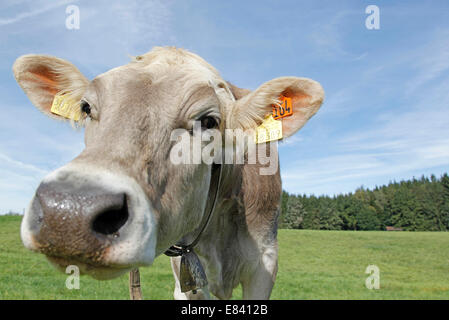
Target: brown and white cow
[{"x": 121, "y": 202}]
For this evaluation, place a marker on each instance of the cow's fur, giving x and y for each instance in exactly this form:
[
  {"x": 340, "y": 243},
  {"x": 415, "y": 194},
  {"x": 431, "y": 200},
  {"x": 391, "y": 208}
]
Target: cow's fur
[{"x": 134, "y": 109}]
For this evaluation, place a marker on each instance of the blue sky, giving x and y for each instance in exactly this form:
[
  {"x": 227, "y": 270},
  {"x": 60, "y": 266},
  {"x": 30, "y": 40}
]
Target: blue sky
[{"x": 385, "y": 116}]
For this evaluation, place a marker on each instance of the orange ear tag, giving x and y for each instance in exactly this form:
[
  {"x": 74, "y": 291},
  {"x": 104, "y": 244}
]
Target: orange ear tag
[{"x": 283, "y": 110}]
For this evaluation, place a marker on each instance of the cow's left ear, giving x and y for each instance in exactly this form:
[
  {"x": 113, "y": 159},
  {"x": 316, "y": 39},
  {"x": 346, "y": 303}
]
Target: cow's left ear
[{"x": 249, "y": 111}]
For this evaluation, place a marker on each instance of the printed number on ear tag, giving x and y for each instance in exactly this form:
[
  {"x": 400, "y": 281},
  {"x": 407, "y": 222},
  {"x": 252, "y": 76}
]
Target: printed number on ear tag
[
  {"x": 269, "y": 130},
  {"x": 65, "y": 106},
  {"x": 283, "y": 110}
]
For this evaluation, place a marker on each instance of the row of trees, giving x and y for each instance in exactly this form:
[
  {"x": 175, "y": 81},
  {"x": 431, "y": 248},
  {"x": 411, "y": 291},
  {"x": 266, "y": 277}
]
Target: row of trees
[{"x": 414, "y": 205}]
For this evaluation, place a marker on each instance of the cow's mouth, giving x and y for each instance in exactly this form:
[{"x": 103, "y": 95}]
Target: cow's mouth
[{"x": 97, "y": 271}]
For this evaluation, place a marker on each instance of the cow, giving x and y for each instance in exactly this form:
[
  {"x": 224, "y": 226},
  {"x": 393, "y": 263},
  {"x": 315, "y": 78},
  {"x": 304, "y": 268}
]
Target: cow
[{"x": 121, "y": 202}]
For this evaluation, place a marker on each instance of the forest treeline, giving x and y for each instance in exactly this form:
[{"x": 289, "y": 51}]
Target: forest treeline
[{"x": 413, "y": 205}]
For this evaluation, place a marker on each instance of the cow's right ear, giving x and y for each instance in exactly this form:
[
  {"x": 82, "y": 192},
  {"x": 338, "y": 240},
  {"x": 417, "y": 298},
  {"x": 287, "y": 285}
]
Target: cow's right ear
[{"x": 42, "y": 77}]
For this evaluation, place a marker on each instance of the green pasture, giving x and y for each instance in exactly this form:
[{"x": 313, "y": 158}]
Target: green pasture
[{"x": 312, "y": 265}]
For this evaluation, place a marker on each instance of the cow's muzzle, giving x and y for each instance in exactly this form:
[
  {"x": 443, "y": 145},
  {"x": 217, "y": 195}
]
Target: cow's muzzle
[
  {"x": 100, "y": 221},
  {"x": 78, "y": 225}
]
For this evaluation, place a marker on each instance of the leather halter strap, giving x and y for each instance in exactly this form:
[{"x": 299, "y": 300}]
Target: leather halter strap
[{"x": 215, "y": 181}]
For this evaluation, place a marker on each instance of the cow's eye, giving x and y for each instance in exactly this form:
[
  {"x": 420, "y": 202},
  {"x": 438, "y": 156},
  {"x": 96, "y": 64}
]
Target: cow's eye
[
  {"x": 208, "y": 122},
  {"x": 85, "y": 107}
]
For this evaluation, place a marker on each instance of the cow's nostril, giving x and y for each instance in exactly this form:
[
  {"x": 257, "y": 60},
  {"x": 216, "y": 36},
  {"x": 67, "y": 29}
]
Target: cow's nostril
[{"x": 110, "y": 221}]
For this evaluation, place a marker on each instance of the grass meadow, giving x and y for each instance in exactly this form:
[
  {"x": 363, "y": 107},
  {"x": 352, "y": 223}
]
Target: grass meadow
[{"x": 312, "y": 265}]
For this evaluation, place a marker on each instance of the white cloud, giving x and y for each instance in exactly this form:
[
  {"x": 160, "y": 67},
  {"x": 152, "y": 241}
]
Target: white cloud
[
  {"x": 328, "y": 35},
  {"x": 290, "y": 141},
  {"x": 433, "y": 60},
  {"x": 17, "y": 184},
  {"x": 110, "y": 31},
  {"x": 39, "y": 10},
  {"x": 21, "y": 165}
]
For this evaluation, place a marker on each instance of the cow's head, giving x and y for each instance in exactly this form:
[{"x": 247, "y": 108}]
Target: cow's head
[{"x": 121, "y": 202}]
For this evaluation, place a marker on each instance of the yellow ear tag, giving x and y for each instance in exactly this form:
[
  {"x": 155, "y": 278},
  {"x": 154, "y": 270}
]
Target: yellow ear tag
[
  {"x": 269, "y": 130},
  {"x": 63, "y": 105}
]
